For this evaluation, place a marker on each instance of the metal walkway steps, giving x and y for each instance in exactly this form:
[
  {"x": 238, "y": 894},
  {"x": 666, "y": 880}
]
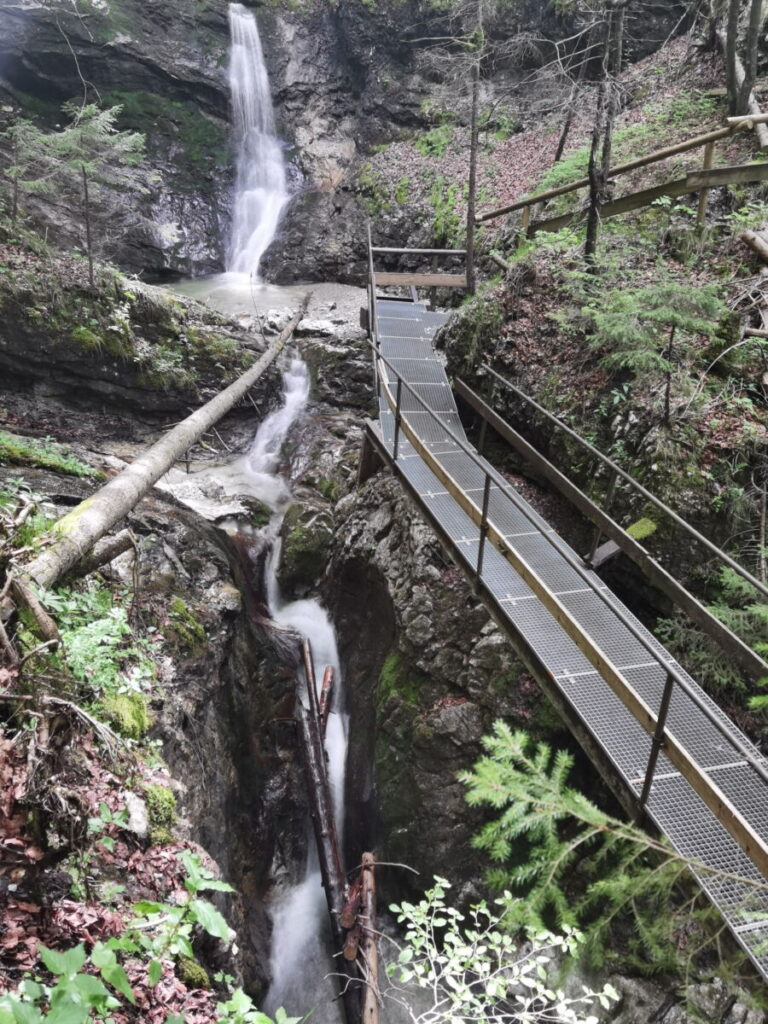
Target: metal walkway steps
[{"x": 404, "y": 335}]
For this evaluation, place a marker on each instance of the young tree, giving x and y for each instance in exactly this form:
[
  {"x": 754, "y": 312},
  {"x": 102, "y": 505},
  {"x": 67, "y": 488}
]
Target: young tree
[
  {"x": 31, "y": 168},
  {"x": 96, "y": 158},
  {"x": 648, "y": 331},
  {"x": 469, "y": 968}
]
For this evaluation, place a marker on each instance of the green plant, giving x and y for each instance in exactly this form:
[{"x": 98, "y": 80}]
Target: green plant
[
  {"x": 648, "y": 332},
  {"x": 575, "y": 865},
  {"x": 435, "y": 142},
  {"x": 88, "y": 987},
  {"x": 744, "y": 612},
  {"x": 101, "y": 649},
  {"x": 446, "y": 224},
  {"x": 45, "y": 453},
  {"x": 472, "y": 970}
]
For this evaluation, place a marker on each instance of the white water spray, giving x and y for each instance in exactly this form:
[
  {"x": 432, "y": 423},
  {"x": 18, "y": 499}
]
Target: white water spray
[{"x": 260, "y": 184}]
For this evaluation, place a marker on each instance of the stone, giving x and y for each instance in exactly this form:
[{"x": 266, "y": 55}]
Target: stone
[{"x": 138, "y": 818}]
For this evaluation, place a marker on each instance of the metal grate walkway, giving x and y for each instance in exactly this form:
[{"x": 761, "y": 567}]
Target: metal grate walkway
[{"x": 410, "y": 369}]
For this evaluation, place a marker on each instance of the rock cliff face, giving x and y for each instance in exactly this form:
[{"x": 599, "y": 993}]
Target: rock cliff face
[
  {"x": 165, "y": 63},
  {"x": 346, "y": 78}
]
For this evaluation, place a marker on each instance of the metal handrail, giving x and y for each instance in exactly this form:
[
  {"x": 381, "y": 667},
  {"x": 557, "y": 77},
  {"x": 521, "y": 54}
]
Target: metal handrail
[
  {"x": 739, "y": 828},
  {"x": 758, "y": 766},
  {"x": 614, "y": 467}
]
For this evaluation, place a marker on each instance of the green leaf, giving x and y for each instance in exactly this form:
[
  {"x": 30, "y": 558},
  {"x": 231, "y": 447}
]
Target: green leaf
[
  {"x": 91, "y": 989},
  {"x": 210, "y": 919},
  {"x": 68, "y": 962},
  {"x": 118, "y": 979},
  {"x": 25, "y": 1013},
  {"x": 148, "y": 907},
  {"x": 102, "y": 956},
  {"x": 154, "y": 972}
]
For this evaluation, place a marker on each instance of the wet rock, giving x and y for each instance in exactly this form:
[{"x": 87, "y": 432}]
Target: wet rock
[{"x": 306, "y": 535}]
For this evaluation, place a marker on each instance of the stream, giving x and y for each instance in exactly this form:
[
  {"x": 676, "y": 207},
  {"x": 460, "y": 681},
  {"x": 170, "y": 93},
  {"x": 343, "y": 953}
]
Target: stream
[{"x": 301, "y": 942}]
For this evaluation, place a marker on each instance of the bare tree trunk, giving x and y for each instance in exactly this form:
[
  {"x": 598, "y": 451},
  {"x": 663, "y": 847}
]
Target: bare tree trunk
[
  {"x": 572, "y": 101},
  {"x": 729, "y": 46},
  {"x": 78, "y": 531},
  {"x": 88, "y": 238},
  {"x": 750, "y": 55},
  {"x": 472, "y": 189},
  {"x": 732, "y": 55},
  {"x": 607, "y": 106},
  {"x": 596, "y": 185},
  {"x": 612, "y": 98}
]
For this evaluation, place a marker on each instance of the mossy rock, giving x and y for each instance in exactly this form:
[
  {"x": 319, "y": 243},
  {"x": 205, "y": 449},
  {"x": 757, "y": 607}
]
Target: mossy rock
[
  {"x": 127, "y": 713},
  {"x": 161, "y": 809},
  {"x": 193, "y": 974},
  {"x": 396, "y": 679},
  {"x": 184, "y": 631},
  {"x": 307, "y": 533}
]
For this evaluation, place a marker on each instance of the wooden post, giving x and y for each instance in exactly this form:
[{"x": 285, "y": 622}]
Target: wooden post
[
  {"x": 524, "y": 225},
  {"x": 326, "y": 695},
  {"x": 709, "y": 159},
  {"x": 368, "y": 947}
]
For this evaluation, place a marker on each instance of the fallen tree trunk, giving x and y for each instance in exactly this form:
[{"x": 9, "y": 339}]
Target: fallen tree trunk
[
  {"x": 104, "y": 552},
  {"x": 78, "y": 531},
  {"x": 756, "y": 242}
]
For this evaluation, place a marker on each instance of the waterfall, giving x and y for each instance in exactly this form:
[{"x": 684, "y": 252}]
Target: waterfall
[{"x": 260, "y": 183}]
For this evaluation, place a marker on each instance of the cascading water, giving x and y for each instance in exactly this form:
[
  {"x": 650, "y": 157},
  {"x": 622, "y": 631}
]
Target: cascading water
[
  {"x": 300, "y": 951},
  {"x": 260, "y": 185}
]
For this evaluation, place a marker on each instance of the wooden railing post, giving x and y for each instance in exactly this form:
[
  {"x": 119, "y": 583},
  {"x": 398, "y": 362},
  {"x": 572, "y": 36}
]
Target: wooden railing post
[{"x": 709, "y": 159}]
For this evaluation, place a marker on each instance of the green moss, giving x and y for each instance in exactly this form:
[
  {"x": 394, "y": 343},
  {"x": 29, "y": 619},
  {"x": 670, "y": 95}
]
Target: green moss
[
  {"x": 161, "y": 809},
  {"x": 328, "y": 488},
  {"x": 203, "y": 141},
  {"x": 642, "y": 528},
  {"x": 402, "y": 191},
  {"x": 127, "y": 713},
  {"x": 185, "y": 631},
  {"x": 396, "y": 680},
  {"x": 193, "y": 974},
  {"x": 260, "y": 516},
  {"x": 45, "y": 454}
]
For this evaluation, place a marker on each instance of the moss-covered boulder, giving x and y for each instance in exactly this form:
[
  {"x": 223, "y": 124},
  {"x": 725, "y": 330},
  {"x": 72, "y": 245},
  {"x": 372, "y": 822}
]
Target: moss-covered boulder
[{"x": 306, "y": 533}]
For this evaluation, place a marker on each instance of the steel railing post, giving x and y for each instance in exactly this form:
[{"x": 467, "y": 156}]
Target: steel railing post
[
  {"x": 610, "y": 494},
  {"x": 397, "y": 417},
  {"x": 657, "y": 744},
  {"x": 483, "y": 531}
]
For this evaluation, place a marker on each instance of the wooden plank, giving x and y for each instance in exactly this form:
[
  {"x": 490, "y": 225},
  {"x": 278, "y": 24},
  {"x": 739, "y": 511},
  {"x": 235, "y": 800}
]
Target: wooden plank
[
  {"x": 715, "y": 178},
  {"x": 421, "y": 252},
  {"x": 729, "y": 816},
  {"x": 421, "y": 280},
  {"x": 749, "y": 661},
  {"x": 633, "y": 165}
]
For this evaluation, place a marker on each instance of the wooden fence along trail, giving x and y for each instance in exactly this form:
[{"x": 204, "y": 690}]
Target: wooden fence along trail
[
  {"x": 698, "y": 181},
  {"x": 663, "y": 745}
]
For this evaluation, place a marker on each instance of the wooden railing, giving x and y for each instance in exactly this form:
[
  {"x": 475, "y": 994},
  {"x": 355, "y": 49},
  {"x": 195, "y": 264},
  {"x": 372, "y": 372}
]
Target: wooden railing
[{"x": 701, "y": 183}]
